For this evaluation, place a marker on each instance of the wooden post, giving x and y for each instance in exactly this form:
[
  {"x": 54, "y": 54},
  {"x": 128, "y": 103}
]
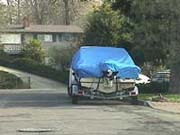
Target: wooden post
[{"x": 29, "y": 82}]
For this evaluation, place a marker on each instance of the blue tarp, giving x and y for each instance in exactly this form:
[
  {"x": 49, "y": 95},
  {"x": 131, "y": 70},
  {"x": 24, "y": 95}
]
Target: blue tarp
[{"x": 91, "y": 61}]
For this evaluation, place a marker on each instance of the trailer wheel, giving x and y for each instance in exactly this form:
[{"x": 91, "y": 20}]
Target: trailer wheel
[
  {"x": 134, "y": 100},
  {"x": 75, "y": 99},
  {"x": 69, "y": 91}
]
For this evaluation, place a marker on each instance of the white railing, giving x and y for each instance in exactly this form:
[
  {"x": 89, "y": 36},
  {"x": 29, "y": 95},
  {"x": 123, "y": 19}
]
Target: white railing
[{"x": 12, "y": 49}]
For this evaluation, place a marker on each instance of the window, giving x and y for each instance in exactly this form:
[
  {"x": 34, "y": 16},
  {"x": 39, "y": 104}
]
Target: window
[
  {"x": 45, "y": 37},
  {"x": 66, "y": 37},
  {"x": 35, "y": 36},
  {"x": 54, "y": 37},
  {"x": 60, "y": 37}
]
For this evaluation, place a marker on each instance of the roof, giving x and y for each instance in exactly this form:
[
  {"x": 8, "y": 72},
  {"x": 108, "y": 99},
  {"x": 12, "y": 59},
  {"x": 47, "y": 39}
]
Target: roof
[{"x": 42, "y": 29}]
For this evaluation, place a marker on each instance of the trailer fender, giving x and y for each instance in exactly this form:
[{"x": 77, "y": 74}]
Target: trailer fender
[{"x": 134, "y": 92}]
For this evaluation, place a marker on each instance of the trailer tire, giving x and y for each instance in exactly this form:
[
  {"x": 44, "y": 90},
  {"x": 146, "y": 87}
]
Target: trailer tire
[
  {"x": 69, "y": 91},
  {"x": 134, "y": 100},
  {"x": 75, "y": 99}
]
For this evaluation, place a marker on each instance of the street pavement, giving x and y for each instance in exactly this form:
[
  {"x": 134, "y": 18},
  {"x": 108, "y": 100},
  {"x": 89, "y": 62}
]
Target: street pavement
[{"x": 34, "y": 110}]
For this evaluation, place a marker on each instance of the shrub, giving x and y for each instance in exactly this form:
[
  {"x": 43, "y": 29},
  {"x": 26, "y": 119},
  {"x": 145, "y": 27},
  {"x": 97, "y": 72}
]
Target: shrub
[
  {"x": 4, "y": 62},
  {"x": 9, "y": 81},
  {"x": 62, "y": 56},
  {"x": 154, "y": 87},
  {"x": 33, "y": 50},
  {"x": 34, "y": 67},
  {"x": 31, "y": 66}
]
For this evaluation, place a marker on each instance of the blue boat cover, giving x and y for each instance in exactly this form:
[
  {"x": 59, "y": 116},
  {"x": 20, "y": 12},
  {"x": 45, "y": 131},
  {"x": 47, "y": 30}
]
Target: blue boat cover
[{"x": 91, "y": 61}]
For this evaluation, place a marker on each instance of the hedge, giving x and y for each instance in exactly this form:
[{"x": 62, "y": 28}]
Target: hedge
[
  {"x": 34, "y": 67},
  {"x": 154, "y": 87},
  {"x": 10, "y": 81}
]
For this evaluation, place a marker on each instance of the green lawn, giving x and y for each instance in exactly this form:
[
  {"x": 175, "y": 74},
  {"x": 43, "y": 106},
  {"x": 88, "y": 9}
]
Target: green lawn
[
  {"x": 169, "y": 97},
  {"x": 9, "y": 81}
]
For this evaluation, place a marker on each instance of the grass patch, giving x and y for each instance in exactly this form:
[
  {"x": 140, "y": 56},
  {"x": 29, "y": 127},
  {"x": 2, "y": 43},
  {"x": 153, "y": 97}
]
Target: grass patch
[
  {"x": 31, "y": 66},
  {"x": 173, "y": 97},
  {"x": 146, "y": 96},
  {"x": 10, "y": 81},
  {"x": 168, "y": 96}
]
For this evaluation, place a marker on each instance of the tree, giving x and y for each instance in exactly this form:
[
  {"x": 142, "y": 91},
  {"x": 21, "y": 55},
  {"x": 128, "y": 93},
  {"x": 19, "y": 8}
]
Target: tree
[
  {"x": 34, "y": 51},
  {"x": 46, "y": 11},
  {"x": 11, "y": 11},
  {"x": 62, "y": 56},
  {"x": 123, "y": 5},
  {"x": 52, "y": 11},
  {"x": 66, "y": 7},
  {"x": 108, "y": 27},
  {"x": 156, "y": 33},
  {"x": 174, "y": 47},
  {"x": 9, "y": 3},
  {"x": 149, "y": 19},
  {"x": 18, "y": 12},
  {"x": 150, "y": 29},
  {"x": 37, "y": 9},
  {"x": 3, "y": 15}
]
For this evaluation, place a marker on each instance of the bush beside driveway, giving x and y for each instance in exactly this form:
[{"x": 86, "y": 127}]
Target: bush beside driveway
[
  {"x": 10, "y": 81},
  {"x": 37, "y": 82},
  {"x": 34, "y": 67}
]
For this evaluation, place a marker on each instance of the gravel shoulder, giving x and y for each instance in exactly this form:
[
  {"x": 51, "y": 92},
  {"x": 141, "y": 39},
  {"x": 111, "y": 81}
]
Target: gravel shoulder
[{"x": 166, "y": 106}]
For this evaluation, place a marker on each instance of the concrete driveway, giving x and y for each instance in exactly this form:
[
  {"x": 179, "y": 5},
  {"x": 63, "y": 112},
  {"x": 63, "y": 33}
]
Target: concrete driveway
[
  {"x": 52, "y": 110},
  {"x": 37, "y": 82}
]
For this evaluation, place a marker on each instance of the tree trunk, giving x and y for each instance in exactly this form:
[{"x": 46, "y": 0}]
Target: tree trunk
[
  {"x": 67, "y": 16},
  {"x": 175, "y": 79},
  {"x": 19, "y": 19},
  {"x": 35, "y": 8},
  {"x": 37, "y": 12},
  {"x": 9, "y": 11}
]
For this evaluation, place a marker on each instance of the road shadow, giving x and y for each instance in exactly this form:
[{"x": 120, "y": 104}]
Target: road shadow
[
  {"x": 48, "y": 99},
  {"x": 33, "y": 100},
  {"x": 103, "y": 102}
]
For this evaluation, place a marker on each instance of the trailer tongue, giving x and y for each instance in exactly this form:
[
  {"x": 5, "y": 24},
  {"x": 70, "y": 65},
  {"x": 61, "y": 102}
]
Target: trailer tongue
[{"x": 102, "y": 73}]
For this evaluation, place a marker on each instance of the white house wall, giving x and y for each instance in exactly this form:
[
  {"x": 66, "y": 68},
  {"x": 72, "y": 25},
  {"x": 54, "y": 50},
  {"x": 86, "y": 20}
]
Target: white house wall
[
  {"x": 27, "y": 37},
  {"x": 10, "y": 38},
  {"x": 13, "y": 43}
]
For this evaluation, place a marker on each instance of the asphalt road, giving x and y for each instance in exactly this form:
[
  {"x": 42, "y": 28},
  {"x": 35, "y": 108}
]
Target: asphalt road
[{"x": 52, "y": 110}]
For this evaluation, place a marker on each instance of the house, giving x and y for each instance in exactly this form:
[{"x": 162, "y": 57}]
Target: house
[
  {"x": 13, "y": 37},
  {"x": 100, "y": 2}
]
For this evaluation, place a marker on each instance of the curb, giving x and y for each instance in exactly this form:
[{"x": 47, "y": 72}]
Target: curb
[
  {"x": 149, "y": 104},
  {"x": 145, "y": 103},
  {"x": 32, "y": 130}
]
